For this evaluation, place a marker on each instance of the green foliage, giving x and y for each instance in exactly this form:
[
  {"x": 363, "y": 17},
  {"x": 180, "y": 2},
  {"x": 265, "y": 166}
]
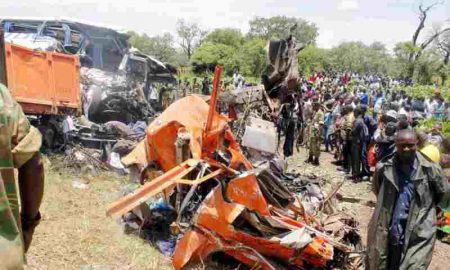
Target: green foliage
[
  {"x": 161, "y": 47},
  {"x": 191, "y": 36},
  {"x": 230, "y": 48},
  {"x": 357, "y": 57},
  {"x": 348, "y": 56},
  {"x": 425, "y": 91},
  {"x": 312, "y": 59},
  {"x": 228, "y": 36},
  {"x": 250, "y": 59},
  {"x": 212, "y": 54},
  {"x": 280, "y": 27},
  {"x": 427, "y": 124}
]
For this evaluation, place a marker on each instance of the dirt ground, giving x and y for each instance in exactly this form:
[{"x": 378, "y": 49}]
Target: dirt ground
[
  {"x": 361, "y": 211},
  {"x": 76, "y": 234}
]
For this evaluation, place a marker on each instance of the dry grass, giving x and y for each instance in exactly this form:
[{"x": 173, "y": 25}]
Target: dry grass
[{"x": 76, "y": 234}]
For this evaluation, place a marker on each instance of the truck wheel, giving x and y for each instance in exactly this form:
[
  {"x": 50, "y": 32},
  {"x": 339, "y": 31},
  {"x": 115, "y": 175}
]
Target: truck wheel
[{"x": 48, "y": 137}]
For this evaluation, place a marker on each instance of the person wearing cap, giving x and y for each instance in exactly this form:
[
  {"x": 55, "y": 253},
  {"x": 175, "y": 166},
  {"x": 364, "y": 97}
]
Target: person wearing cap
[
  {"x": 428, "y": 149},
  {"x": 315, "y": 134}
]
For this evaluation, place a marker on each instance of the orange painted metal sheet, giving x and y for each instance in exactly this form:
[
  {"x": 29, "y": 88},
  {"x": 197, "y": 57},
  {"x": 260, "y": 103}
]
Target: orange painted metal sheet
[
  {"x": 245, "y": 190},
  {"x": 43, "y": 82},
  {"x": 217, "y": 216},
  {"x": 191, "y": 113},
  {"x": 193, "y": 246},
  {"x": 215, "y": 226},
  {"x": 164, "y": 182}
]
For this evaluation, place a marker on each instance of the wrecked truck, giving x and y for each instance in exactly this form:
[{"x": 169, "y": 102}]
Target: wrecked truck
[
  {"x": 215, "y": 200},
  {"x": 56, "y": 68}
]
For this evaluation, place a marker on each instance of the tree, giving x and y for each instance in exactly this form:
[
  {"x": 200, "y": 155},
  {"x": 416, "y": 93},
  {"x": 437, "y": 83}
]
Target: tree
[
  {"x": 358, "y": 57},
  {"x": 443, "y": 45},
  {"x": 211, "y": 54},
  {"x": 250, "y": 59},
  {"x": 443, "y": 48},
  {"x": 228, "y": 36},
  {"x": 416, "y": 54},
  {"x": 191, "y": 36},
  {"x": 312, "y": 59},
  {"x": 281, "y": 27},
  {"x": 161, "y": 46}
]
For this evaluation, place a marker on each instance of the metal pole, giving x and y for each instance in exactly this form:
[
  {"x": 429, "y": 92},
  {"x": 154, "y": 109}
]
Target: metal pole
[{"x": 214, "y": 96}]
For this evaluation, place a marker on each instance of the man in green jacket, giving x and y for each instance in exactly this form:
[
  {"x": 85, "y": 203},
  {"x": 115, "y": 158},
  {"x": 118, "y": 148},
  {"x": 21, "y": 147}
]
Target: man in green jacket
[{"x": 402, "y": 231}]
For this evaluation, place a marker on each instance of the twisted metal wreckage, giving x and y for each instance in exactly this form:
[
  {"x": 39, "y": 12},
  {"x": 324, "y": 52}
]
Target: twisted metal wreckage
[{"x": 244, "y": 213}]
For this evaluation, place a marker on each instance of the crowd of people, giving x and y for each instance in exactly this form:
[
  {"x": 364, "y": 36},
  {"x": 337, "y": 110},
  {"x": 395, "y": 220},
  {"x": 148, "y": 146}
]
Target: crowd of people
[
  {"x": 374, "y": 136},
  {"x": 359, "y": 125}
]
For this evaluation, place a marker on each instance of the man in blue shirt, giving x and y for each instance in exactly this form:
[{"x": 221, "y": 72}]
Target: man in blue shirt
[{"x": 408, "y": 186}]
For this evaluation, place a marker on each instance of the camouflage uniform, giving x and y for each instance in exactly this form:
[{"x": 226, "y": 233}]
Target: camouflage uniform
[
  {"x": 315, "y": 133},
  {"x": 18, "y": 143}
]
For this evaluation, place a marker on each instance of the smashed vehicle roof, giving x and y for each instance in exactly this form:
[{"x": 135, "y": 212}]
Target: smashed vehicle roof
[{"x": 98, "y": 47}]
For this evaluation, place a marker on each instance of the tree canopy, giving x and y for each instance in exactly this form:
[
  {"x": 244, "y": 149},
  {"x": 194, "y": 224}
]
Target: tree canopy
[
  {"x": 161, "y": 47},
  {"x": 227, "y": 36},
  {"x": 279, "y": 27},
  {"x": 426, "y": 62}
]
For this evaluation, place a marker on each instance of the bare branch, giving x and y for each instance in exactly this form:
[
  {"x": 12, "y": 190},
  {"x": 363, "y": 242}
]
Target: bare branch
[
  {"x": 422, "y": 18},
  {"x": 433, "y": 37}
]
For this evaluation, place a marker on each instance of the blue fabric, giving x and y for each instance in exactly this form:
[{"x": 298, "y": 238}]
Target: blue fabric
[
  {"x": 438, "y": 109},
  {"x": 371, "y": 124},
  {"x": 364, "y": 99},
  {"x": 328, "y": 119},
  {"x": 401, "y": 211}
]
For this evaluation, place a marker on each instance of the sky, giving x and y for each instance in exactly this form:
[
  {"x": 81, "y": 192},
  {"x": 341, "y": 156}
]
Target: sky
[{"x": 388, "y": 21}]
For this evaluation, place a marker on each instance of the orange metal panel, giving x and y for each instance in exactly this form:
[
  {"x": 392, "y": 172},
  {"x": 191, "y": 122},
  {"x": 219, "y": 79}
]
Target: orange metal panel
[
  {"x": 217, "y": 215},
  {"x": 164, "y": 182},
  {"x": 245, "y": 190},
  {"x": 43, "y": 82}
]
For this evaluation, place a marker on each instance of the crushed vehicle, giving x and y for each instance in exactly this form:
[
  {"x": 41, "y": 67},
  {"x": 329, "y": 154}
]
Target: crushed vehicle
[
  {"x": 74, "y": 68},
  {"x": 202, "y": 192}
]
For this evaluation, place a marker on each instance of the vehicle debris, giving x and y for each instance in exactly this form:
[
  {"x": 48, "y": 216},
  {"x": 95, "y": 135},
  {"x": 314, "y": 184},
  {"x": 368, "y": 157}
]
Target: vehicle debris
[
  {"x": 83, "y": 69},
  {"x": 192, "y": 164}
]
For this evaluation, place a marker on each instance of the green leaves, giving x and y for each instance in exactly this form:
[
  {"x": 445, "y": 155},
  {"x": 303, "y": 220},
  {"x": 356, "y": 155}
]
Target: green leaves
[
  {"x": 280, "y": 27},
  {"x": 161, "y": 46},
  {"x": 213, "y": 53},
  {"x": 348, "y": 56},
  {"x": 425, "y": 91},
  {"x": 227, "y": 36},
  {"x": 427, "y": 124}
]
